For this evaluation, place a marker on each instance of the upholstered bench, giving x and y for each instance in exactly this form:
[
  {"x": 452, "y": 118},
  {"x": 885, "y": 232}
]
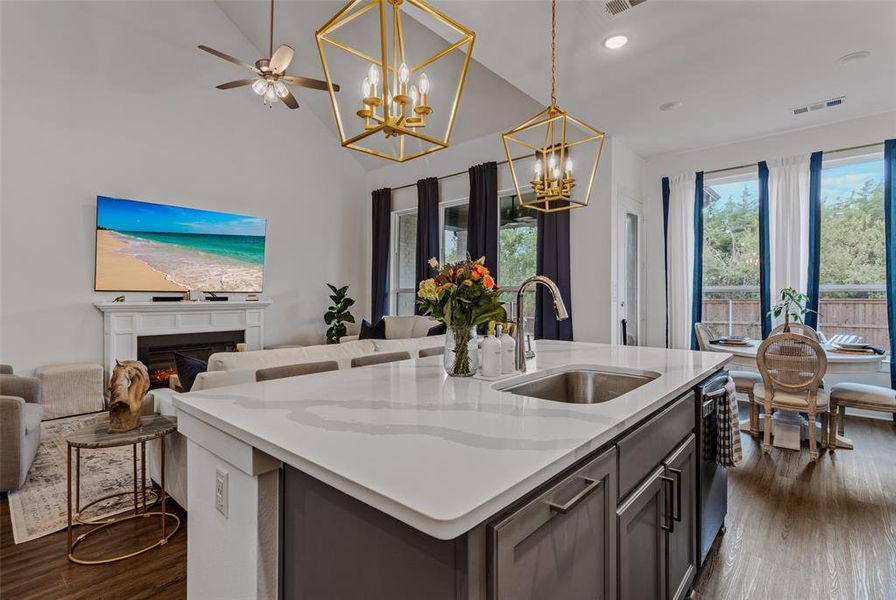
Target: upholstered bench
[
  {"x": 71, "y": 389},
  {"x": 858, "y": 395}
]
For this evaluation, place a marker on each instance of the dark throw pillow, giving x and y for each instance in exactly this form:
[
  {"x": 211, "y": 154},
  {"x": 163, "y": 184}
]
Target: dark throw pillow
[
  {"x": 372, "y": 332},
  {"x": 440, "y": 329},
  {"x": 188, "y": 367}
]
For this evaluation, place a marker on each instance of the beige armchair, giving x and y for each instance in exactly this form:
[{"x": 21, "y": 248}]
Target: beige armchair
[{"x": 20, "y": 416}]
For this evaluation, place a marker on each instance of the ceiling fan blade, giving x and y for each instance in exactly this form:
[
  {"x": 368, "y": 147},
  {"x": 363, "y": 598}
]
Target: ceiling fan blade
[
  {"x": 235, "y": 84},
  {"x": 307, "y": 82},
  {"x": 229, "y": 58},
  {"x": 290, "y": 100},
  {"x": 281, "y": 58}
]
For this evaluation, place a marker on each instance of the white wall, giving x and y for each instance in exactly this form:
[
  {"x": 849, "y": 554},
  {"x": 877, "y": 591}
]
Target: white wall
[
  {"x": 114, "y": 98},
  {"x": 867, "y": 130},
  {"x": 591, "y": 231}
]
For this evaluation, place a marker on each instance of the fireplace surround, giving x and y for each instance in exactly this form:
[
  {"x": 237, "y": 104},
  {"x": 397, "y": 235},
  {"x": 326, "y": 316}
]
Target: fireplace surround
[{"x": 124, "y": 323}]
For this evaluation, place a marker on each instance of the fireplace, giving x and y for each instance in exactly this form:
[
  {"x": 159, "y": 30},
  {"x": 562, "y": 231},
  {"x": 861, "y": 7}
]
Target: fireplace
[{"x": 157, "y": 351}]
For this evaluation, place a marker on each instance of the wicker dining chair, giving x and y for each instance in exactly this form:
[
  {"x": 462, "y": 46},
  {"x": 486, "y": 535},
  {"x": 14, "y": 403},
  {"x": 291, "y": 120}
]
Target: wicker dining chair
[
  {"x": 792, "y": 366},
  {"x": 799, "y": 329}
]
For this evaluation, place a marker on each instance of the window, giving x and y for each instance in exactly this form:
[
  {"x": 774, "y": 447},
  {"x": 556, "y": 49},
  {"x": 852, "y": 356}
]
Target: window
[
  {"x": 731, "y": 256},
  {"x": 517, "y": 249},
  {"x": 853, "y": 254},
  {"x": 404, "y": 269},
  {"x": 517, "y": 243},
  {"x": 454, "y": 231}
]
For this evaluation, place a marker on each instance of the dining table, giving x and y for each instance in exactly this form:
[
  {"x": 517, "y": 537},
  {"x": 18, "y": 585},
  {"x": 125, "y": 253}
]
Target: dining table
[{"x": 840, "y": 362}]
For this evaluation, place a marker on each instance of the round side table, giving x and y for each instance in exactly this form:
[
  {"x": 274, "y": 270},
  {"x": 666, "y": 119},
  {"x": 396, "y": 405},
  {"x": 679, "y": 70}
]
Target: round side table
[{"x": 97, "y": 437}]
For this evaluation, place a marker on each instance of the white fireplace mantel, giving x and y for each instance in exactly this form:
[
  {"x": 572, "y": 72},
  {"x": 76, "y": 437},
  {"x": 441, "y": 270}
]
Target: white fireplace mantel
[{"x": 124, "y": 322}]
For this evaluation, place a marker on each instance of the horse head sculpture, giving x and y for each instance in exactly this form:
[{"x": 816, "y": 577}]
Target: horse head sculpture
[{"x": 127, "y": 386}]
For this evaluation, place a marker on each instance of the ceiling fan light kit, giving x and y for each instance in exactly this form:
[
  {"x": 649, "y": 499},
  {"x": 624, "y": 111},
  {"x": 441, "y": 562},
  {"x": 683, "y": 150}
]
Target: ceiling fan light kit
[
  {"x": 556, "y": 141},
  {"x": 398, "y": 65},
  {"x": 271, "y": 82}
]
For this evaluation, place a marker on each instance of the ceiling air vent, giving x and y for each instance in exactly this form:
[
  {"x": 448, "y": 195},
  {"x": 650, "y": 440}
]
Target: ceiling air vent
[
  {"x": 614, "y": 7},
  {"x": 819, "y": 105}
]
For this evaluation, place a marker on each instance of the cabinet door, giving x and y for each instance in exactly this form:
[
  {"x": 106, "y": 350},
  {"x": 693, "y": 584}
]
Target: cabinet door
[
  {"x": 561, "y": 545},
  {"x": 681, "y": 542},
  {"x": 641, "y": 522}
]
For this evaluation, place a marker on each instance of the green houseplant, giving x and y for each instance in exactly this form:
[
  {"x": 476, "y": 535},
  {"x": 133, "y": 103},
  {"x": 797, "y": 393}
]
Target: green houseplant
[
  {"x": 338, "y": 314},
  {"x": 462, "y": 295},
  {"x": 792, "y": 304}
]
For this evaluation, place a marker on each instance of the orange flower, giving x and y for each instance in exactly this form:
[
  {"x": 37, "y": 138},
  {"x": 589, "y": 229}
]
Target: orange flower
[
  {"x": 488, "y": 282},
  {"x": 476, "y": 275}
]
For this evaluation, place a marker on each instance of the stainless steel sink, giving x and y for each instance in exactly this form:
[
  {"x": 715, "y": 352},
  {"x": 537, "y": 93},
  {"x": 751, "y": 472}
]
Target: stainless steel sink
[{"x": 581, "y": 386}]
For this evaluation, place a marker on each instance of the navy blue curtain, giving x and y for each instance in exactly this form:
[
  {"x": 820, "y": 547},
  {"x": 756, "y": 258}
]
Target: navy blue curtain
[
  {"x": 765, "y": 259},
  {"x": 697, "y": 298},
  {"x": 666, "y": 192},
  {"x": 552, "y": 261},
  {"x": 814, "y": 238},
  {"x": 890, "y": 228},
  {"x": 379, "y": 280},
  {"x": 482, "y": 228},
  {"x": 427, "y": 229}
]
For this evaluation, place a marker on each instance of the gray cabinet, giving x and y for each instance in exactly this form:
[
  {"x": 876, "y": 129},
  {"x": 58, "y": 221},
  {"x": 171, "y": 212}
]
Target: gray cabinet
[
  {"x": 641, "y": 521},
  {"x": 561, "y": 544},
  {"x": 681, "y": 541}
]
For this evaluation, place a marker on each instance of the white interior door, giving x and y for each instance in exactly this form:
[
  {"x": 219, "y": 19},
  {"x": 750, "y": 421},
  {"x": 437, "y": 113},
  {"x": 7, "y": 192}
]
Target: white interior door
[{"x": 630, "y": 228}]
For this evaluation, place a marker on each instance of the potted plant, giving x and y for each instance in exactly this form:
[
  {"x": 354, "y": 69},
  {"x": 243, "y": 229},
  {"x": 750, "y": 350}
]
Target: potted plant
[
  {"x": 462, "y": 295},
  {"x": 792, "y": 305},
  {"x": 338, "y": 314}
]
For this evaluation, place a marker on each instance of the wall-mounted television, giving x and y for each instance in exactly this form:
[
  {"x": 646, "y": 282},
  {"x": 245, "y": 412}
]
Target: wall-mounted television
[{"x": 146, "y": 247}]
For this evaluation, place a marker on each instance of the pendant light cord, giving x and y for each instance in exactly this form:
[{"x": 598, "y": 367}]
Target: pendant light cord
[{"x": 553, "y": 51}]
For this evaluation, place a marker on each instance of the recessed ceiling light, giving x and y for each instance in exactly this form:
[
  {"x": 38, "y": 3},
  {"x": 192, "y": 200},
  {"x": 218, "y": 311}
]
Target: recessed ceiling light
[
  {"x": 615, "y": 42},
  {"x": 667, "y": 106},
  {"x": 854, "y": 56}
]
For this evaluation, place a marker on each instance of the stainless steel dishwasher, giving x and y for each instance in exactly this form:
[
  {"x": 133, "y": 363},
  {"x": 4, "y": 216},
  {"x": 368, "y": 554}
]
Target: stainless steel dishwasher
[{"x": 712, "y": 479}]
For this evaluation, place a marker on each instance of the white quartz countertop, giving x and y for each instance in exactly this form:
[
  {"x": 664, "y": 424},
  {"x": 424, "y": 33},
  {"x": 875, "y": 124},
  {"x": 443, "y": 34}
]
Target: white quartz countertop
[{"x": 441, "y": 454}]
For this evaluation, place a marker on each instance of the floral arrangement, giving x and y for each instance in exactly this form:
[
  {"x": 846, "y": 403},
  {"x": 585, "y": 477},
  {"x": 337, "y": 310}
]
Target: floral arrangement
[{"x": 462, "y": 295}]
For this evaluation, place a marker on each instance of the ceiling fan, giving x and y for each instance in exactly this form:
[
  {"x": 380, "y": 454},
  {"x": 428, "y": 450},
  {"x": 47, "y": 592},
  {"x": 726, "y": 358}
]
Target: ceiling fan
[{"x": 271, "y": 81}]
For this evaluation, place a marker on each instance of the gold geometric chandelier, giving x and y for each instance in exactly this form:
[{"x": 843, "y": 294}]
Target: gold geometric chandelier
[
  {"x": 397, "y": 63},
  {"x": 554, "y": 142}
]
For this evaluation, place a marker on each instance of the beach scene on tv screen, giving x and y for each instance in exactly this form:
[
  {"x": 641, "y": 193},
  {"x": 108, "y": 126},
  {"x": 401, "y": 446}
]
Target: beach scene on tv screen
[{"x": 141, "y": 246}]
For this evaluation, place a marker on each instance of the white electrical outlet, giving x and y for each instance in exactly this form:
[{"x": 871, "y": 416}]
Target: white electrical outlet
[{"x": 221, "y": 491}]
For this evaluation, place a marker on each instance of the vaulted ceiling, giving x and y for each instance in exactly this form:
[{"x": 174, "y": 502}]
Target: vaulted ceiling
[{"x": 737, "y": 67}]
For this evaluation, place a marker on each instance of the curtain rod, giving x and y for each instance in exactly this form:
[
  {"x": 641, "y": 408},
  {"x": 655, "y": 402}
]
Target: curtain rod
[
  {"x": 714, "y": 171},
  {"x": 499, "y": 163}
]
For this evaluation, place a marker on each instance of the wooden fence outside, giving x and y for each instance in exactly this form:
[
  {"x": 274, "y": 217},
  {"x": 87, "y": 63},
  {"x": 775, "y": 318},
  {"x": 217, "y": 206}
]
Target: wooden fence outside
[{"x": 865, "y": 317}]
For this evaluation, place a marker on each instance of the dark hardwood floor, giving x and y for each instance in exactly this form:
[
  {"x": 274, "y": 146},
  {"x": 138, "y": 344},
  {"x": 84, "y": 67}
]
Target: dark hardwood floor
[
  {"x": 794, "y": 531},
  {"x": 801, "y": 531},
  {"x": 39, "y": 569}
]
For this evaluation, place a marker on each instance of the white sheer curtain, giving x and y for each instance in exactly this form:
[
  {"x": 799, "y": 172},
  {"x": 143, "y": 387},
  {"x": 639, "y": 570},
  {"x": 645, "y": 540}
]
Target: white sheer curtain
[
  {"x": 788, "y": 210},
  {"x": 680, "y": 254}
]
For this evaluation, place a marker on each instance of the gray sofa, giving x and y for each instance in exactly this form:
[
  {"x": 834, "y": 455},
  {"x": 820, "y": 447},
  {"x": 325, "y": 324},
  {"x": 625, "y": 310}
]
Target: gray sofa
[{"x": 20, "y": 417}]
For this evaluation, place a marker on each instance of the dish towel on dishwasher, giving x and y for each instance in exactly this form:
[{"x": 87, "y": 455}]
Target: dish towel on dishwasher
[{"x": 729, "y": 452}]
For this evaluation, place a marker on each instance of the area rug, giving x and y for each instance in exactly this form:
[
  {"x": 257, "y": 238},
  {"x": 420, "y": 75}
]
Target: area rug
[{"x": 38, "y": 508}]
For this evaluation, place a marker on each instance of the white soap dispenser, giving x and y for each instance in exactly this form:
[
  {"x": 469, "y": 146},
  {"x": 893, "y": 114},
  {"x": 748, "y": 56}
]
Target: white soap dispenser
[
  {"x": 508, "y": 349},
  {"x": 490, "y": 353}
]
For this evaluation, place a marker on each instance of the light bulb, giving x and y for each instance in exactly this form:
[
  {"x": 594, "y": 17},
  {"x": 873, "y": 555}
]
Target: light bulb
[
  {"x": 555, "y": 173},
  {"x": 403, "y": 73},
  {"x": 414, "y": 95},
  {"x": 552, "y": 164},
  {"x": 270, "y": 96},
  {"x": 373, "y": 75},
  {"x": 569, "y": 166},
  {"x": 423, "y": 82},
  {"x": 260, "y": 86},
  {"x": 365, "y": 88},
  {"x": 280, "y": 89},
  {"x": 538, "y": 168}
]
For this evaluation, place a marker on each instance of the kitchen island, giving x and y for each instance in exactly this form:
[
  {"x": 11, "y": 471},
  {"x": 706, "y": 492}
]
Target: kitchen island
[{"x": 403, "y": 482}]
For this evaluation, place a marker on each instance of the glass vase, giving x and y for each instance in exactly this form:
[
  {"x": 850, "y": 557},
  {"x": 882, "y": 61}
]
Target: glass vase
[{"x": 461, "y": 352}]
